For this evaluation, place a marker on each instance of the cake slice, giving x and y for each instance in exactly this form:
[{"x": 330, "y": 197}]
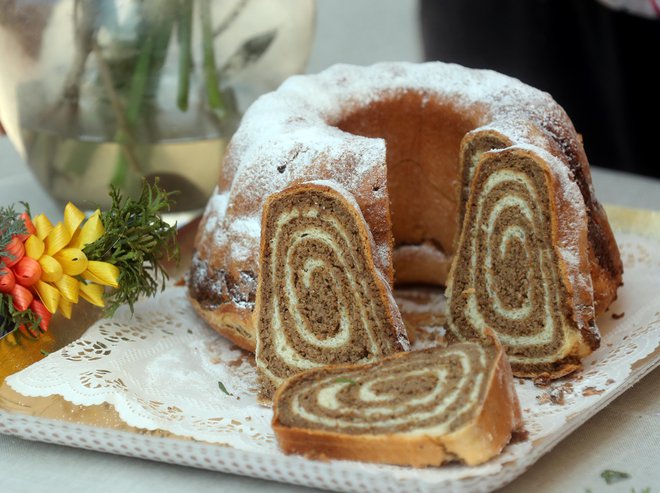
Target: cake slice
[
  {"x": 320, "y": 299},
  {"x": 420, "y": 408},
  {"x": 522, "y": 264}
]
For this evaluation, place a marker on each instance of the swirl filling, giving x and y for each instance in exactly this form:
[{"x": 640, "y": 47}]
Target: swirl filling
[
  {"x": 507, "y": 276},
  {"x": 321, "y": 300},
  {"x": 416, "y": 408},
  {"x": 419, "y": 395}
]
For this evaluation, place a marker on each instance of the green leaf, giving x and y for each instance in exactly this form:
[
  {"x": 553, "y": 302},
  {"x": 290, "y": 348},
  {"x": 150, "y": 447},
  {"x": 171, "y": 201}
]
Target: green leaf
[
  {"x": 345, "y": 380},
  {"x": 250, "y": 52},
  {"x": 44, "y": 352},
  {"x": 136, "y": 240},
  {"x": 212, "y": 82},
  {"x": 612, "y": 477},
  {"x": 184, "y": 35},
  {"x": 223, "y": 388},
  {"x": 10, "y": 225}
]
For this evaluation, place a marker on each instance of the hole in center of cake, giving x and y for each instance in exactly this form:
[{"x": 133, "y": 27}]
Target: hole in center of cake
[{"x": 423, "y": 139}]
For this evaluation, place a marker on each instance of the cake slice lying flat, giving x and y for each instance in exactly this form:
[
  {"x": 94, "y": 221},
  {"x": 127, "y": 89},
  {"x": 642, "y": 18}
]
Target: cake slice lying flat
[
  {"x": 321, "y": 299},
  {"x": 420, "y": 408},
  {"x": 522, "y": 264}
]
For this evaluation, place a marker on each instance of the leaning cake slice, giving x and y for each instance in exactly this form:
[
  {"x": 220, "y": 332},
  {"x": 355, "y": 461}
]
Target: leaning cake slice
[
  {"x": 420, "y": 408},
  {"x": 522, "y": 264},
  {"x": 321, "y": 299}
]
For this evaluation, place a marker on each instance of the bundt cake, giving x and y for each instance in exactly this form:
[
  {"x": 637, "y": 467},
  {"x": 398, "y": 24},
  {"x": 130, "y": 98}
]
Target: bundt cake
[
  {"x": 406, "y": 142},
  {"x": 522, "y": 264},
  {"x": 419, "y": 408},
  {"x": 321, "y": 299}
]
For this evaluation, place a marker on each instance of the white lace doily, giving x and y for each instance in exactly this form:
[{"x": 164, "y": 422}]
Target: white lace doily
[{"x": 164, "y": 369}]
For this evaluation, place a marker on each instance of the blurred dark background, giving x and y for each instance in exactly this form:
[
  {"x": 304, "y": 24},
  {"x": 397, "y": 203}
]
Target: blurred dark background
[{"x": 600, "y": 64}]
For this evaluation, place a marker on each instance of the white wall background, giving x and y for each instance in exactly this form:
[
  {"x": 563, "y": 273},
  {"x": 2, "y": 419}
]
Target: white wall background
[{"x": 364, "y": 32}]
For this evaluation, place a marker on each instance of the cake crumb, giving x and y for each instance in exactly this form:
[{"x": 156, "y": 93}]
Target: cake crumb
[
  {"x": 617, "y": 316},
  {"x": 557, "y": 396},
  {"x": 542, "y": 380},
  {"x": 468, "y": 291},
  {"x": 592, "y": 391},
  {"x": 554, "y": 396},
  {"x": 519, "y": 436},
  {"x": 543, "y": 398}
]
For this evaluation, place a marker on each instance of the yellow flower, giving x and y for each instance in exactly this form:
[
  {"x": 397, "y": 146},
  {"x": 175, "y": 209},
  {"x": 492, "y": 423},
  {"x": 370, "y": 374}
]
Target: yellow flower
[{"x": 67, "y": 273}]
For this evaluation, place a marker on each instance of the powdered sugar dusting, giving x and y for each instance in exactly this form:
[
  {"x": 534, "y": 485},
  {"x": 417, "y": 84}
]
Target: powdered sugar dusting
[
  {"x": 290, "y": 136},
  {"x": 216, "y": 210}
]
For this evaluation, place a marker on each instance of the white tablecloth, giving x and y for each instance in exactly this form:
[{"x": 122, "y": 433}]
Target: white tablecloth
[{"x": 624, "y": 436}]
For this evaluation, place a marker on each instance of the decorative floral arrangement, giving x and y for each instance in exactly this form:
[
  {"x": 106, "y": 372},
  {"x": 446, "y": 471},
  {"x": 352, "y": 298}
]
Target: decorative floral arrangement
[{"x": 108, "y": 259}]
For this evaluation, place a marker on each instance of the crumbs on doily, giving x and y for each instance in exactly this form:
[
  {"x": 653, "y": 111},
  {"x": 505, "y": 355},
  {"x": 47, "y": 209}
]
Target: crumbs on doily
[
  {"x": 244, "y": 357},
  {"x": 542, "y": 380},
  {"x": 587, "y": 391},
  {"x": 556, "y": 395},
  {"x": 519, "y": 436},
  {"x": 431, "y": 335},
  {"x": 617, "y": 316}
]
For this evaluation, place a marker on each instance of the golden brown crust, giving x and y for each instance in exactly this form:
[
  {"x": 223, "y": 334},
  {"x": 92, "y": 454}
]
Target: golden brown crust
[
  {"x": 233, "y": 323},
  {"x": 431, "y": 139},
  {"x": 569, "y": 240},
  {"x": 420, "y": 264},
  {"x": 396, "y": 339},
  {"x": 476, "y": 442},
  {"x": 580, "y": 295}
]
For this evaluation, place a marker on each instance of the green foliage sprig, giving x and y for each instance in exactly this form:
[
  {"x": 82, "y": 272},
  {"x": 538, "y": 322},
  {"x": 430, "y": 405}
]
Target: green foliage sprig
[
  {"x": 10, "y": 225},
  {"x": 137, "y": 240},
  {"x": 11, "y": 318}
]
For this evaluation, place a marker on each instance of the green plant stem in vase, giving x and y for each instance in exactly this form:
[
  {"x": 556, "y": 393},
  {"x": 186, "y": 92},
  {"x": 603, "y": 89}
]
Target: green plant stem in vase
[
  {"x": 114, "y": 91},
  {"x": 210, "y": 70},
  {"x": 184, "y": 34}
]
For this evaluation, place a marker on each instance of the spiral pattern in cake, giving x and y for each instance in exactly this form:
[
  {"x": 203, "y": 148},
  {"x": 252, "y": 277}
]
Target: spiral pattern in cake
[
  {"x": 510, "y": 275},
  {"x": 411, "y": 399},
  {"x": 436, "y": 397},
  {"x": 321, "y": 300}
]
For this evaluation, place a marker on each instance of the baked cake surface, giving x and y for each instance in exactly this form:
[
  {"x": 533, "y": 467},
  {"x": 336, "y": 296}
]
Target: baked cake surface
[
  {"x": 521, "y": 267},
  {"x": 404, "y": 140},
  {"x": 320, "y": 299},
  {"x": 418, "y": 408}
]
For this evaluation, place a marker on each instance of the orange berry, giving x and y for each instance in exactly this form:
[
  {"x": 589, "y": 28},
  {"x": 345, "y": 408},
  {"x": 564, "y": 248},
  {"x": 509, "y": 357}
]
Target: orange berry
[
  {"x": 40, "y": 309},
  {"x": 27, "y": 271},
  {"x": 22, "y": 297},
  {"x": 15, "y": 250},
  {"x": 29, "y": 227},
  {"x": 7, "y": 280}
]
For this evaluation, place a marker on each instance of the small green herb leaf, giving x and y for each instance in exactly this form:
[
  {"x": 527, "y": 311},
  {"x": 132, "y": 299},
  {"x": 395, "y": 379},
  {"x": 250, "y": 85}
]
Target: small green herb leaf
[
  {"x": 223, "y": 388},
  {"x": 612, "y": 477},
  {"x": 44, "y": 352},
  {"x": 137, "y": 241},
  {"x": 345, "y": 380}
]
